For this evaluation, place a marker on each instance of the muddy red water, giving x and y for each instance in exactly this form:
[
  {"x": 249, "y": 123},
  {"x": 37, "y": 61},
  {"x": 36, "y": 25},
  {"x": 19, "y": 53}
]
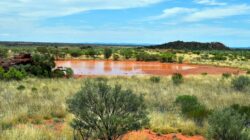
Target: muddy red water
[{"x": 129, "y": 68}]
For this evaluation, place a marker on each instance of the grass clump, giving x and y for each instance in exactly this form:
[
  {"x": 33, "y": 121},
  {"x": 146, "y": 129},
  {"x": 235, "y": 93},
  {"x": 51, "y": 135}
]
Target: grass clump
[
  {"x": 21, "y": 87},
  {"x": 227, "y": 124},
  {"x": 226, "y": 75},
  {"x": 155, "y": 79},
  {"x": 177, "y": 79},
  {"x": 241, "y": 83},
  {"x": 191, "y": 108}
]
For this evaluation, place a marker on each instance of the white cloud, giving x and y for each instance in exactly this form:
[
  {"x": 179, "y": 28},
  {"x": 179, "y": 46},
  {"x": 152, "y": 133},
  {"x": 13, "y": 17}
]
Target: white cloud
[
  {"x": 54, "y": 8},
  {"x": 172, "y": 12},
  {"x": 218, "y": 12},
  {"x": 210, "y": 2}
]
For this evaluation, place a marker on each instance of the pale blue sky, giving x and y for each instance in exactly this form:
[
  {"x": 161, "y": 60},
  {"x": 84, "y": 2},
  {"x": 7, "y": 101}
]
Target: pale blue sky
[{"x": 126, "y": 21}]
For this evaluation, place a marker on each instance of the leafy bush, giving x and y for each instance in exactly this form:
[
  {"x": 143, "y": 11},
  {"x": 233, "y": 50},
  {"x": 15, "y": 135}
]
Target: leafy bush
[
  {"x": 3, "y": 53},
  {"x": 177, "y": 79},
  {"x": 180, "y": 59},
  {"x": 2, "y": 71},
  {"x": 57, "y": 73},
  {"x": 241, "y": 83},
  {"x": 106, "y": 112},
  {"x": 248, "y": 72},
  {"x": 42, "y": 65},
  {"x": 191, "y": 108},
  {"x": 155, "y": 79},
  {"x": 21, "y": 87},
  {"x": 116, "y": 57},
  {"x": 243, "y": 110},
  {"x": 91, "y": 52},
  {"x": 226, "y": 75},
  {"x": 127, "y": 53},
  {"x": 227, "y": 124},
  {"x": 69, "y": 72},
  {"x": 14, "y": 74},
  {"x": 76, "y": 53},
  {"x": 168, "y": 57},
  {"x": 107, "y": 53}
]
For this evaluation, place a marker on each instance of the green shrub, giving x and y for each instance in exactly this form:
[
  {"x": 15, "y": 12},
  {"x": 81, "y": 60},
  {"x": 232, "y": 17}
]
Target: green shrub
[
  {"x": 106, "y": 112},
  {"x": 180, "y": 59},
  {"x": 191, "y": 108},
  {"x": 91, "y": 52},
  {"x": 14, "y": 74},
  {"x": 107, "y": 53},
  {"x": 167, "y": 57},
  {"x": 127, "y": 53},
  {"x": 248, "y": 72},
  {"x": 227, "y": 124},
  {"x": 1, "y": 73},
  {"x": 241, "y": 83},
  {"x": 204, "y": 73},
  {"x": 69, "y": 72},
  {"x": 226, "y": 75},
  {"x": 116, "y": 57},
  {"x": 57, "y": 73},
  {"x": 243, "y": 110},
  {"x": 76, "y": 53},
  {"x": 177, "y": 79},
  {"x": 21, "y": 87},
  {"x": 155, "y": 79}
]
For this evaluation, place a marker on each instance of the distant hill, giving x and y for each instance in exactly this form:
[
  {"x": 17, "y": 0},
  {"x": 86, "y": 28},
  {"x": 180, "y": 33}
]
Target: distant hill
[{"x": 181, "y": 45}]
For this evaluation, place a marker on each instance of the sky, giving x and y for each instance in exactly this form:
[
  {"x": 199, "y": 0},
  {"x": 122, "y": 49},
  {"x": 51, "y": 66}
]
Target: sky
[{"x": 126, "y": 21}]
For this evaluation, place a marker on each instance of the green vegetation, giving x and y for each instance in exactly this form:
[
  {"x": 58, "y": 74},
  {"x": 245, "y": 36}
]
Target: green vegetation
[
  {"x": 107, "y": 53},
  {"x": 241, "y": 83},
  {"x": 177, "y": 79},
  {"x": 155, "y": 79},
  {"x": 227, "y": 125},
  {"x": 105, "y": 112}
]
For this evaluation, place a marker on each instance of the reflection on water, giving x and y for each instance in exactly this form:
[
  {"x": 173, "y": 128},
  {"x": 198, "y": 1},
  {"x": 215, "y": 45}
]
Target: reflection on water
[{"x": 128, "y": 68}]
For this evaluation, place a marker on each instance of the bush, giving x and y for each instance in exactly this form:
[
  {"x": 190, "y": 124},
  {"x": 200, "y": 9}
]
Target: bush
[
  {"x": 243, "y": 110},
  {"x": 241, "y": 83},
  {"x": 57, "y": 73},
  {"x": 155, "y": 79},
  {"x": 76, "y": 53},
  {"x": 227, "y": 124},
  {"x": 168, "y": 57},
  {"x": 21, "y": 87},
  {"x": 127, "y": 53},
  {"x": 116, "y": 57},
  {"x": 180, "y": 59},
  {"x": 106, "y": 112},
  {"x": 91, "y": 52},
  {"x": 248, "y": 72},
  {"x": 177, "y": 79},
  {"x": 2, "y": 71},
  {"x": 107, "y": 53},
  {"x": 14, "y": 74},
  {"x": 226, "y": 75},
  {"x": 191, "y": 108},
  {"x": 69, "y": 72}
]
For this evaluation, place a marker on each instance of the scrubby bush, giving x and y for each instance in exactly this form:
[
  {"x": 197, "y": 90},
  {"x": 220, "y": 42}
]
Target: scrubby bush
[
  {"x": 241, "y": 83},
  {"x": 107, "y": 53},
  {"x": 180, "y": 59},
  {"x": 2, "y": 71},
  {"x": 14, "y": 74},
  {"x": 21, "y": 87},
  {"x": 227, "y": 124},
  {"x": 177, "y": 79},
  {"x": 167, "y": 57},
  {"x": 91, "y": 52},
  {"x": 191, "y": 108},
  {"x": 226, "y": 75},
  {"x": 69, "y": 72},
  {"x": 3, "y": 53},
  {"x": 127, "y": 53},
  {"x": 243, "y": 110},
  {"x": 106, "y": 112},
  {"x": 116, "y": 57},
  {"x": 57, "y": 73},
  {"x": 248, "y": 72},
  {"x": 76, "y": 53},
  {"x": 155, "y": 79}
]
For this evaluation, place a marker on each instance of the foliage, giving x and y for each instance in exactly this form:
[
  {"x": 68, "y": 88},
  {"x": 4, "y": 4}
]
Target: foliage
[
  {"x": 91, "y": 52},
  {"x": 227, "y": 124},
  {"x": 226, "y": 75},
  {"x": 2, "y": 71},
  {"x": 241, "y": 83},
  {"x": 107, "y": 53},
  {"x": 76, "y": 53},
  {"x": 191, "y": 108},
  {"x": 14, "y": 74},
  {"x": 3, "y": 53},
  {"x": 42, "y": 65},
  {"x": 116, "y": 57},
  {"x": 167, "y": 57},
  {"x": 155, "y": 79},
  {"x": 69, "y": 72},
  {"x": 21, "y": 87},
  {"x": 106, "y": 112},
  {"x": 57, "y": 73},
  {"x": 143, "y": 56},
  {"x": 127, "y": 53},
  {"x": 180, "y": 59},
  {"x": 243, "y": 110},
  {"x": 177, "y": 79}
]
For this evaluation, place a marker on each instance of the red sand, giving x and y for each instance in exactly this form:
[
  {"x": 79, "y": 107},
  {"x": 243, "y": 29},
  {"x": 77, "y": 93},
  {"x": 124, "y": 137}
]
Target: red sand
[
  {"x": 149, "y": 135},
  {"x": 129, "y": 68}
]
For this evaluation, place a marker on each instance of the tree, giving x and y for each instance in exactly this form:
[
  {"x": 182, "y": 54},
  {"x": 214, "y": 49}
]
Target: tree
[
  {"x": 107, "y": 53},
  {"x": 91, "y": 52},
  {"x": 127, "y": 53},
  {"x": 106, "y": 112},
  {"x": 227, "y": 124}
]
